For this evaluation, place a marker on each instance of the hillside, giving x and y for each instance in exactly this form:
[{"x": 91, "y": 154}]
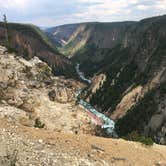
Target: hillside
[
  {"x": 32, "y": 96},
  {"x": 40, "y": 123},
  {"x": 127, "y": 64},
  {"x": 62, "y": 33},
  {"x": 29, "y": 41},
  {"x": 78, "y": 37}
]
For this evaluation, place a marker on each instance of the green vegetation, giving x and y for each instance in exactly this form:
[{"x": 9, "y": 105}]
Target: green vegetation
[
  {"x": 29, "y": 41},
  {"x": 43, "y": 37},
  {"x": 157, "y": 58},
  {"x": 67, "y": 49},
  {"x": 25, "y": 53},
  {"x": 30, "y": 31},
  {"x": 6, "y": 31},
  {"x": 132, "y": 125},
  {"x": 134, "y": 136},
  {"x": 11, "y": 50},
  {"x": 146, "y": 141},
  {"x": 163, "y": 89},
  {"x": 7, "y": 36},
  {"x": 35, "y": 32},
  {"x": 87, "y": 56},
  {"x": 138, "y": 116},
  {"x": 120, "y": 75},
  {"x": 39, "y": 124}
]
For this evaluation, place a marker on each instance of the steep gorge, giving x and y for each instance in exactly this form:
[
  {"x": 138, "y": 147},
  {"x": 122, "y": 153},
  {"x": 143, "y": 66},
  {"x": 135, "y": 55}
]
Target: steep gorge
[{"x": 132, "y": 56}]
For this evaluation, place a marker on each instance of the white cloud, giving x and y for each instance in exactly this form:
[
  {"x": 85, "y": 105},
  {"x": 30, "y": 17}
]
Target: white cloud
[
  {"x": 39, "y": 20},
  {"x": 53, "y": 12},
  {"x": 143, "y": 7},
  {"x": 90, "y": 1},
  {"x": 161, "y": 5},
  {"x": 105, "y": 9},
  {"x": 112, "y": 10},
  {"x": 14, "y": 4},
  {"x": 134, "y": 1}
]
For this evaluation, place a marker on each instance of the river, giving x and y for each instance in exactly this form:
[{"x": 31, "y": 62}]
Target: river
[
  {"x": 107, "y": 124},
  {"x": 81, "y": 74}
]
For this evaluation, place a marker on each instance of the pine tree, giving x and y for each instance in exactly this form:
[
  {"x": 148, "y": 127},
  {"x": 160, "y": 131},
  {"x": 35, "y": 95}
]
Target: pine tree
[{"x": 6, "y": 31}]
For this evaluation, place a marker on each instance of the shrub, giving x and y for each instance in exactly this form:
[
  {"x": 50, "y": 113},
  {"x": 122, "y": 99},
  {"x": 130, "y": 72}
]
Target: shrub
[
  {"x": 11, "y": 50},
  {"x": 134, "y": 136},
  {"x": 146, "y": 141},
  {"x": 38, "y": 123}
]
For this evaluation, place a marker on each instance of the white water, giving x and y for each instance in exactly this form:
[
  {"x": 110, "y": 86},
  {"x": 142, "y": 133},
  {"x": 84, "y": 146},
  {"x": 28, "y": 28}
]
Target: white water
[
  {"x": 108, "y": 124},
  {"x": 81, "y": 74}
]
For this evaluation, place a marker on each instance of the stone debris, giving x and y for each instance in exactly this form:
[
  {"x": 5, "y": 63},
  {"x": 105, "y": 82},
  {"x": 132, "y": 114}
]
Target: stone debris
[
  {"x": 29, "y": 91},
  {"x": 20, "y": 151}
]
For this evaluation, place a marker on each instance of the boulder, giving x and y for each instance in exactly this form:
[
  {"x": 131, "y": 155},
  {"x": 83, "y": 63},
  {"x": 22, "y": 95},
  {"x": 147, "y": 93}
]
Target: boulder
[
  {"x": 30, "y": 104},
  {"x": 61, "y": 94},
  {"x": 52, "y": 95},
  {"x": 16, "y": 101}
]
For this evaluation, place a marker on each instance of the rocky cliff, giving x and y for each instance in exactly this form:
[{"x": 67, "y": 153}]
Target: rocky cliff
[
  {"x": 61, "y": 34},
  {"x": 78, "y": 37}
]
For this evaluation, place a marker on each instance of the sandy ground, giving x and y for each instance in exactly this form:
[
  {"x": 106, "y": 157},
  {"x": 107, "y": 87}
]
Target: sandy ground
[{"x": 93, "y": 150}]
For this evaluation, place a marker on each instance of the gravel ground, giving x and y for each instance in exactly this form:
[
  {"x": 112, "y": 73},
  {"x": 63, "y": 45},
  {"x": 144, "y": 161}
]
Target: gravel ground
[{"x": 25, "y": 146}]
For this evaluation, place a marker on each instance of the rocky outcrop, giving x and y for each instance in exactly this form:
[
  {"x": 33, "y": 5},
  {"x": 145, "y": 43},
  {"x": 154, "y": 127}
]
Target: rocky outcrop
[
  {"x": 30, "y": 94},
  {"x": 97, "y": 83},
  {"x": 130, "y": 99},
  {"x": 62, "y": 95}
]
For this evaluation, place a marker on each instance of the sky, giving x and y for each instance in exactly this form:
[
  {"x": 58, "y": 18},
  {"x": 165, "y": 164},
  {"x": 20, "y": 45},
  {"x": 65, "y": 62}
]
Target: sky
[{"x": 49, "y": 13}]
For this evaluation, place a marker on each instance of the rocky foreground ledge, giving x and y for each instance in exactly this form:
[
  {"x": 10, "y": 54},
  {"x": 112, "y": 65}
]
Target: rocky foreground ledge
[
  {"x": 39, "y": 122},
  {"x": 26, "y": 146}
]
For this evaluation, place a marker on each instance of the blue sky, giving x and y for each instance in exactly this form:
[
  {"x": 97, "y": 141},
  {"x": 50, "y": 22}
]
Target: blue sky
[{"x": 57, "y": 12}]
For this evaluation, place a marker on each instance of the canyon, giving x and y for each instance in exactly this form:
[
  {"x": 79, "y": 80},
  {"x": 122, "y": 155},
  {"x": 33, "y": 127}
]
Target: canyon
[
  {"x": 40, "y": 123},
  {"x": 64, "y": 89},
  {"x": 126, "y": 62}
]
